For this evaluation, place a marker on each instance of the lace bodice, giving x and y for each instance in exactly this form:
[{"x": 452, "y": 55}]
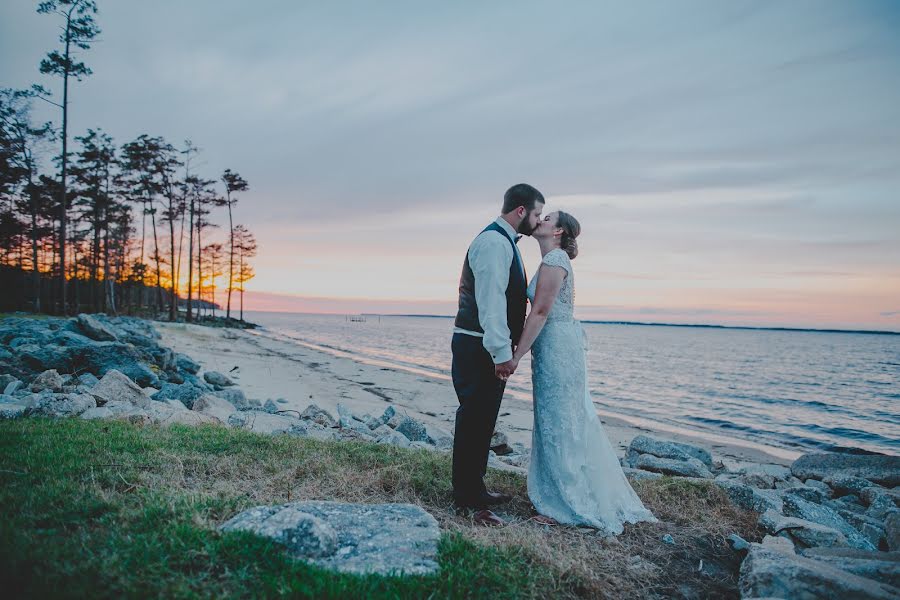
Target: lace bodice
[{"x": 564, "y": 305}]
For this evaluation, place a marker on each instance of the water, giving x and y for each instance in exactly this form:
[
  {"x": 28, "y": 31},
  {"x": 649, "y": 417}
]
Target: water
[{"x": 785, "y": 389}]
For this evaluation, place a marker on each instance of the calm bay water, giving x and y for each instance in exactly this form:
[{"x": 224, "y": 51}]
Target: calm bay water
[{"x": 789, "y": 389}]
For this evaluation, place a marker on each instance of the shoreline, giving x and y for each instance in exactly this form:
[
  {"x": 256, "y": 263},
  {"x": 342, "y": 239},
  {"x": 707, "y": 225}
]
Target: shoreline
[{"x": 264, "y": 365}]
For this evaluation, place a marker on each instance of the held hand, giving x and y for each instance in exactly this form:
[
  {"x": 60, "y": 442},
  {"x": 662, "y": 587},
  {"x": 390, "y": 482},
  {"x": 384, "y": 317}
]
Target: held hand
[{"x": 504, "y": 370}]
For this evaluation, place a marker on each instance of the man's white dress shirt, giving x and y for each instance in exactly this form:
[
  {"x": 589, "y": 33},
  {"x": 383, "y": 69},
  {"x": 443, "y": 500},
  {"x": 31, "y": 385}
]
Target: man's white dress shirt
[{"x": 490, "y": 256}]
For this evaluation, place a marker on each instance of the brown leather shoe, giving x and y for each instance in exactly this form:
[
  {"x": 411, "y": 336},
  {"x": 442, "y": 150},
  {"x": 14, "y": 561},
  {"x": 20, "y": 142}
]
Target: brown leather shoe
[
  {"x": 487, "y": 518},
  {"x": 544, "y": 520}
]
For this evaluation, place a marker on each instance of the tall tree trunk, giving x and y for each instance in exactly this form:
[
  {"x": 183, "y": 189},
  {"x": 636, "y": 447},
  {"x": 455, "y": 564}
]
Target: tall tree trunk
[
  {"x": 199, "y": 270},
  {"x": 173, "y": 307},
  {"x": 190, "y": 282},
  {"x": 159, "y": 298},
  {"x": 65, "y": 162},
  {"x": 230, "y": 258}
]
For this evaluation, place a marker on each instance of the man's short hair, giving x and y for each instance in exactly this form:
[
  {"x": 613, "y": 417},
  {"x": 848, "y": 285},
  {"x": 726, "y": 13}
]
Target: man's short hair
[{"x": 521, "y": 194}]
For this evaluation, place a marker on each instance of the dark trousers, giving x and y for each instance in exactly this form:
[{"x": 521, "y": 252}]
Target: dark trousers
[{"x": 479, "y": 392}]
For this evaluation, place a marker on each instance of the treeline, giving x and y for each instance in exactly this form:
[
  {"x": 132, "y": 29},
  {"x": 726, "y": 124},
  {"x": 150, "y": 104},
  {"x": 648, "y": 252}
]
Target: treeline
[{"x": 110, "y": 228}]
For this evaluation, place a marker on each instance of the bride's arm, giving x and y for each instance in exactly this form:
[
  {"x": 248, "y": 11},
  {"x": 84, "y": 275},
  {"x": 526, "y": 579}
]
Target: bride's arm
[{"x": 546, "y": 291}]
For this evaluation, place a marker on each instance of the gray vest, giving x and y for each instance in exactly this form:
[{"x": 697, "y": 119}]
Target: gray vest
[{"x": 516, "y": 299}]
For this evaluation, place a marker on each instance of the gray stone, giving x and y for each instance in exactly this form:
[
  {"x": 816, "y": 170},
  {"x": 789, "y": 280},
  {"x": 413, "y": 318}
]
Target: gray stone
[
  {"x": 668, "y": 539},
  {"x": 12, "y": 410},
  {"x": 166, "y": 416},
  {"x": 115, "y": 410},
  {"x": 668, "y": 466},
  {"x": 737, "y": 543},
  {"x": 439, "y": 438},
  {"x": 262, "y": 422},
  {"x": 498, "y": 439},
  {"x": 892, "y": 531},
  {"x": 382, "y": 539},
  {"x": 96, "y": 330},
  {"x": 847, "y": 484},
  {"x": 878, "y": 501},
  {"x": 116, "y": 386},
  {"x": 88, "y": 379},
  {"x": 803, "y": 533},
  {"x": 49, "y": 380},
  {"x": 770, "y": 573},
  {"x": 13, "y": 386},
  {"x": 872, "y": 529},
  {"x": 644, "y": 444},
  {"x": 270, "y": 407},
  {"x": 214, "y": 406},
  {"x": 750, "y": 498},
  {"x": 810, "y": 494},
  {"x": 877, "y": 468},
  {"x": 394, "y": 439},
  {"x": 413, "y": 430},
  {"x": 318, "y": 415},
  {"x": 187, "y": 364},
  {"x": 218, "y": 379},
  {"x": 396, "y": 420},
  {"x": 5, "y": 380},
  {"x": 880, "y": 566},
  {"x": 61, "y": 405},
  {"x": 639, "y": 475},
  {"x": 186, "y": 393},
  {"x": 778, "y": 544},
  {"x": 236, "y": 397},
  {"x": 819, "y": 485},
  {"x": 304, "y": 535},
  {"x": 823, "y": 515}
]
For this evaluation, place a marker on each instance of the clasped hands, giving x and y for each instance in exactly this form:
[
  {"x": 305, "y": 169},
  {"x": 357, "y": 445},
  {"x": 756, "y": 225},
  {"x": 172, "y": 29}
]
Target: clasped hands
[{"x": 503, "y": 370}]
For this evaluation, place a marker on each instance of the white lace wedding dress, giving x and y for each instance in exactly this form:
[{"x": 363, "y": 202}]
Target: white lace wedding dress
[{"x": 574, "y": 476}]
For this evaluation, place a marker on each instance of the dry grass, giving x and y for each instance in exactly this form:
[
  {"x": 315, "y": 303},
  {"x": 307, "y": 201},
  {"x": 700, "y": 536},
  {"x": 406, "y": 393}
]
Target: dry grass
[{"x": 226, "y": 471}]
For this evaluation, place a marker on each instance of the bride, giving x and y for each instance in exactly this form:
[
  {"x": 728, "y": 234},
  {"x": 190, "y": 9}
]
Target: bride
[{"x": 574, "y": 477}]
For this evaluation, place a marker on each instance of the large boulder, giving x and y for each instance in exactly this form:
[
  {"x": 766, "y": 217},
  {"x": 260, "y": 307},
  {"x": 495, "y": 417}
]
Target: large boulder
[
  {"x": 236, "y": 397},
  {"x": 750, "y": 498},
  {"x": 263, "y": 422},
  {"x": 116, "y": 386},
  {"x": 187, "y": 364},
  {"x": 48, "y": 380},
  {"x": 644, "y": 444},
  {"x": 878, "y": 468},
  {"x": 413, "y": 430},
  {"x": 166, "y": 415},
  {"x": 690, "y": 467},
  {"x": 844, "y": 485},
  {"x": 892, "y": 531},
  {"x": 795, "y": 506},
  {"x": 382, "y": 539},
  {"x": 769, "y": 573},
  {"x": 96, "y": 330}
]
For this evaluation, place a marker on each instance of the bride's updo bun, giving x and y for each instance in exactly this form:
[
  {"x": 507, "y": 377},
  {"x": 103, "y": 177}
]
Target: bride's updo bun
[{"x": 571, "y": 230}]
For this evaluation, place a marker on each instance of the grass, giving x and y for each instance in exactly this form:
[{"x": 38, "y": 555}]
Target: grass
[{"x": 109, "y": 509}]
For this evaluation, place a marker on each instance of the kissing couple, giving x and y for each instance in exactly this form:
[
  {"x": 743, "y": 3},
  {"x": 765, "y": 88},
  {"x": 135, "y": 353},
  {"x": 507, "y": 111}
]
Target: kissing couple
[{"x": 574, "y": 477}]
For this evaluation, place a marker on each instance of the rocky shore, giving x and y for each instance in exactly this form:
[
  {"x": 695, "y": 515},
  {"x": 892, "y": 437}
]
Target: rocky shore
[{"x": 832, "y": 520}]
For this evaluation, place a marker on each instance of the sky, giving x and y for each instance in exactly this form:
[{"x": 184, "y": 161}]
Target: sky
[{"x": 730, "y": 162}]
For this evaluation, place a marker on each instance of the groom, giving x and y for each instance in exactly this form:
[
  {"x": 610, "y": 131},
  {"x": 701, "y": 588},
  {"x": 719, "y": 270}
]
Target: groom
[{"x": 488, "y": 325}]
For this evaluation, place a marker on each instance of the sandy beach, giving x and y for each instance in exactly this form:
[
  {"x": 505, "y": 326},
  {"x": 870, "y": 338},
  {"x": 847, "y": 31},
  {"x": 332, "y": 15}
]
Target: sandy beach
[{"x": 265, "y": 367}]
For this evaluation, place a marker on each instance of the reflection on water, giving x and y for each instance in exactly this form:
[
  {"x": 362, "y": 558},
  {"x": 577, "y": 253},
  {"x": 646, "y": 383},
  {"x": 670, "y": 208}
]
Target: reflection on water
[{"x": 782, "y": 388}]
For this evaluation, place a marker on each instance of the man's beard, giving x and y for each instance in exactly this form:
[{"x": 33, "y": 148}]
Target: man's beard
[{"x": 524, "y": 228}]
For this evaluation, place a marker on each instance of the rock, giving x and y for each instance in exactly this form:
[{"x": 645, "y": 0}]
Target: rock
[
  {"x": 819, "y": 485},
  {"x": 879, "y": 502},
  {"x": 166, "y": 416},
  {"x": 304, "y": 535},
  {"x": 396, "y": 420},
  {"x": 116, "y": 386},
  {"x": 5, "y": 380},
  {"x": 186, "y": 393},
  {"x": 499, "y": 439},
  {"x": 737, "y": 543},
  {"x": 216, "y": 378},
  {"x": 187, "y": 364},
  {"x": 318, "y": 415},
  {"x": 880, "y": 566},
  {"x": 96, "y": 330},
  {"x": 761, "y": 481},
  {"x": 804, "y": 533},
  {"x": 667, "y": 466},
  {"x": 116, "y": 410},
  {"x": 750, "y": 498},
  {"x": 778, "y": 544},
  {"x": 263, "y": 422},
  {"x": 12, "y": 385},
  {"x": 877, "y": 468},
  {"x": 394, "y": 439},
  {"x": 88, "y": 380},
  {"x": 214, "y": 406},
  {"x": 810, "y": 494},
  {"x": 12, "y": 410},
  {"x": 48, "y": 380},
  {"x": 644, "y": 444},
  {"x": 823, "y": 515},
  {"x": 522, "y": 460},
  {"x": 668, "y": 539},
  {"x": 639, "y": 475},
  {"x": 382, "y": 539},
  {"x": 440, "y": 438},
  {"x": 892, "y": 531},
  {"x": 843, "y": 485},
  {"x": 770, "y": 573},
  {"x": 61, "y": 405},
  {"x": 413, "y": 430},
  {"x": 270, "y": 407},
  {"x": 237, "y": 397}
]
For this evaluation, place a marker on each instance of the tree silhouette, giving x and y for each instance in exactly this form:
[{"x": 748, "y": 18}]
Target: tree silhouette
[{"x": 233, "y": 183}]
